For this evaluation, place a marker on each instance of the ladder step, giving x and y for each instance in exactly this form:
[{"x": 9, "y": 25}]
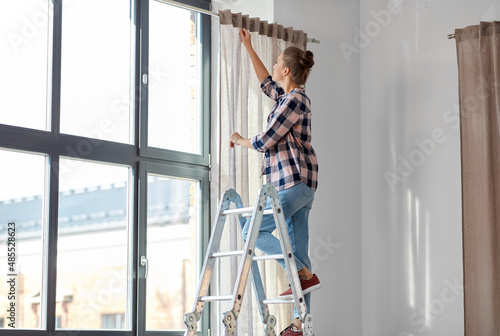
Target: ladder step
[
  {"x": 276, "y": 301},
  {"x": 215, "y": 298},
  {"x": 269, "y": 257},
  {"x": 246, "y": 212},
  {"x": 226, "y": 254},
  {"x": 240, "y": 252}
]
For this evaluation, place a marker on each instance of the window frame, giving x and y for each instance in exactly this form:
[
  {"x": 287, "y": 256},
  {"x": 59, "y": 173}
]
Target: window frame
[
  {"x": 203, "y": 31},
  {"x": 186, "y": 172}
]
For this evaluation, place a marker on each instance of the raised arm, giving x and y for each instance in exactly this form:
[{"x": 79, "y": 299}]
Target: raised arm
[{"x": 260, "y": 69}]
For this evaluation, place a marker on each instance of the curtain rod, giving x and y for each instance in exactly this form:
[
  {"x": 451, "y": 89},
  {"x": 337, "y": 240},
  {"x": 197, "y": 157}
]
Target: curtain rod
[
  {"x": 451, "y": 36},
  {"x": 204, "y": 11}
]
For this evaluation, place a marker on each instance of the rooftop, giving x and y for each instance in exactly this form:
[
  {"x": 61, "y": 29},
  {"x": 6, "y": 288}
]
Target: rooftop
[{"x": 97, "y": 208}]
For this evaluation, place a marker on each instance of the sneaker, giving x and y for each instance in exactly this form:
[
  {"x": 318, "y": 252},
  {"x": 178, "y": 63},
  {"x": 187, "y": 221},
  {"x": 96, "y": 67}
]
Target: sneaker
[
  {"x": 307, "y": 287},
  {"x": 291, "y": 330}
]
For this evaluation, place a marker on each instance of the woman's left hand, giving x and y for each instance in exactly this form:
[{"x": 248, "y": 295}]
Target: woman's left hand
[{"x": 235, "y": 139}]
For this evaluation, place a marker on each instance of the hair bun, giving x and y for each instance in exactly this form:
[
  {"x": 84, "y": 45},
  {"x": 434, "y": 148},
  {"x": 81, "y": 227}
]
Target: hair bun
[
  {"x": 306, "y": 59},
  {"x": 299, "y": 62}
]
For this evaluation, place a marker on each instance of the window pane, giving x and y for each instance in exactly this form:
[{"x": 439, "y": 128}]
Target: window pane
[
  {"x": 92, "y": 246},
  {"x": 173, "y": 220},
  {"x": 96, "y": 73},
  {"x": 24, "y": 27},
  {"x": 21, "y": 243},
  {"x": 173, "y": 105}
]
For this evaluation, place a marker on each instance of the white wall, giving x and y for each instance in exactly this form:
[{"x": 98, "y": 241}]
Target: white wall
[
  {"x": 386, "y": 223},
  {"x": 410, "y": 165},
  {"x": 333, "y": 87}
]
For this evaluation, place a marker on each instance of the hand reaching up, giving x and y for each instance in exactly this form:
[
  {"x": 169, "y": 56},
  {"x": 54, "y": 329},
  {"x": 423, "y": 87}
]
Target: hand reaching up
[{"x": 246, "y": 38}]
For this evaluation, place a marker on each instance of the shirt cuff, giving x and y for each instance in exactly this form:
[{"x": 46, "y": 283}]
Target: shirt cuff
[
  {"x": 266, "y": 81},
  {"x": 255, "y": 144}
]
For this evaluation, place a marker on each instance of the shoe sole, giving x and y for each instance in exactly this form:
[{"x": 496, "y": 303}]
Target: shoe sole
[{"x": 306, "y": 291}]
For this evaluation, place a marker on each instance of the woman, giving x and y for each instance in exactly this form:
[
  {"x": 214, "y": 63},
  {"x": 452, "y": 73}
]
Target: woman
[{"x": 290, "y": 163}]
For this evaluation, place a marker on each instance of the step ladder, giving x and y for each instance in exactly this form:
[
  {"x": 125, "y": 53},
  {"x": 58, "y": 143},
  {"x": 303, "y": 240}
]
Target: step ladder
[{"x": 248, "y": 265}]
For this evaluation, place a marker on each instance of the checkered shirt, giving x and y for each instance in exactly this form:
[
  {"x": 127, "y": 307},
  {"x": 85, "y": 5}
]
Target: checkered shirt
[{"x": 286, "y": 142}]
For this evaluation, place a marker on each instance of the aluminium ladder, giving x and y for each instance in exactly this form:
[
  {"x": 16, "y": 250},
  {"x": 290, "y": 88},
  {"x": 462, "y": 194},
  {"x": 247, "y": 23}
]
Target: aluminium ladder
[{"x": 248, "y": 265}]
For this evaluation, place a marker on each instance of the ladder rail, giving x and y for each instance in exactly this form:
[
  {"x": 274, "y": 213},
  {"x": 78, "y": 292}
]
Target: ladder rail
[{"x": 213, "y": 246}]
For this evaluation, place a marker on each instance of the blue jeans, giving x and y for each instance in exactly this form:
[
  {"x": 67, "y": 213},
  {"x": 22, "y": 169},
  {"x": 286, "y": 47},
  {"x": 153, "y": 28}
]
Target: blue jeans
[{"x": 296, "y": 203}]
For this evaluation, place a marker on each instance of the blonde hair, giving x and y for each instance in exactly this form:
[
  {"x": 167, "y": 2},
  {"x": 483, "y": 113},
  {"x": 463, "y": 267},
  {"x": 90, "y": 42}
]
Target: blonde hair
[{"x": 299, "y": 62}]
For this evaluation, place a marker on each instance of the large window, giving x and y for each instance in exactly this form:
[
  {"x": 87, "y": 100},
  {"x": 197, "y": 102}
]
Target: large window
[{"x": 104, "y": 149}]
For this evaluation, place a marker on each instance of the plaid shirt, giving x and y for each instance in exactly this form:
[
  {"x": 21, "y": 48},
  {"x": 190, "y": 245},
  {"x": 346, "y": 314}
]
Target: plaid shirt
[{"x": 286, "y": 142}]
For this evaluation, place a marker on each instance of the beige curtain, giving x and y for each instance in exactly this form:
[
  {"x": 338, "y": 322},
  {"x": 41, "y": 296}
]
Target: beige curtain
[
  {"x": 478, "y": 50},
  {"x": 244, "y": 109}
]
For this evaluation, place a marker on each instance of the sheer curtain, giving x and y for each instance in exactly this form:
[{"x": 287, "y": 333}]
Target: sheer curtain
[
  {"x": 244, "y": 109},
  {"x": 478, "y": 50}
]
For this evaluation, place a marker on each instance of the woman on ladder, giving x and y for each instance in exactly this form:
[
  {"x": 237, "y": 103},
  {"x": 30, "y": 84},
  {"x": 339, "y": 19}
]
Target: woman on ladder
[{"x": 290, "y": 163}]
